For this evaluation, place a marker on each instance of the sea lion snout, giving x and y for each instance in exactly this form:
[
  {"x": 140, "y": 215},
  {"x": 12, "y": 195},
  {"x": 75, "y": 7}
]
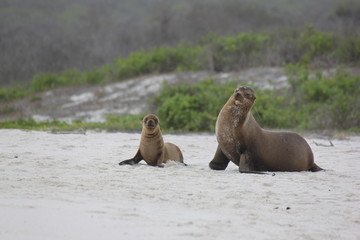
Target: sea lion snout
[
  {"x": 150, "y": 121},
  {"x": 150, "y": 124}
]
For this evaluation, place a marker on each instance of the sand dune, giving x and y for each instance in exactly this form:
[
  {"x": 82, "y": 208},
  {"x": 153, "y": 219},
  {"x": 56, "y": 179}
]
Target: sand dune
[{"x": 69, "y": 186}]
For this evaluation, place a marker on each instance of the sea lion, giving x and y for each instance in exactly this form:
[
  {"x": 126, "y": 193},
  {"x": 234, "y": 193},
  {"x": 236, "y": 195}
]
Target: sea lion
[
  {"x": 242, "y": 141},
  {"x": 152, "y": 148}
]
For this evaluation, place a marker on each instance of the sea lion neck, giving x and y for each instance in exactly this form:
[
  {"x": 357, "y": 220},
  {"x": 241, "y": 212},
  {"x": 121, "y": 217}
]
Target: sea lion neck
[
  {"x": 148, "y": 133},
  {"x": 251, "y": 126}
]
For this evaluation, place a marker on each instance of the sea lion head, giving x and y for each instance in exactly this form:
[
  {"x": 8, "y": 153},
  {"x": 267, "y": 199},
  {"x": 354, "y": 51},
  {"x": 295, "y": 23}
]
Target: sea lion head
[
  {"x": 244, "y": 97},
  {"x": 150, "y": 122}
]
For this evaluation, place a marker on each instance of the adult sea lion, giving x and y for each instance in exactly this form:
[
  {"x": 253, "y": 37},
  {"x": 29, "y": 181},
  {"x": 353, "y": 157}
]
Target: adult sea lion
[
  {"x": 152, "y": 148},
  {"x": 242, "y": 141}
]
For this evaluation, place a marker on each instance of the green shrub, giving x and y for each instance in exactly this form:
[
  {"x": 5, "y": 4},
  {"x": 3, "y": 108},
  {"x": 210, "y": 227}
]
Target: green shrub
[
  {"x": 215, "y": 53},
  {"x": 235, "y": 52},
  {"x": 329, "y": 101},
  {"x": 31, "y": 124},
  {"x": 315, "y": 44},
  {"x": 44, "y": 81},
  {"x": 348, "y": 50},
  {"x": 11, "y": 93},
  {"x": 271, "y": 110},
  {"x": 123, "y": 122},
  {"x": 93, "y": 76},
  {"x": 192, "y": 107},
  {"x": 112, "y": 123},
  {"x": 70, "y": 77},
  {"x": 313, "y": 102},
  {"x": 159, "y": 60}
]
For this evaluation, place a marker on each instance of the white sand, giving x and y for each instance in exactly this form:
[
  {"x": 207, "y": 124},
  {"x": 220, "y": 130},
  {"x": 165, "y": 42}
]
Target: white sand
[{"x": 70, "y": 186}]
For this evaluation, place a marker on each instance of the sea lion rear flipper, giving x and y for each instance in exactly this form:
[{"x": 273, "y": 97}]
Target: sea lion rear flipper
[
  {"x": 135, "y": 160},
  {"x": 316, "y": 168},
  {"x": 220, "y": 161}
]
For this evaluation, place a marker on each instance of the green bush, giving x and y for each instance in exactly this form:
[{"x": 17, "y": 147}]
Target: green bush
[
  {"x": 315, "y": 44},
  {"x": 192, "y": 107},
  {"x": 234, "y": 52},
  {"x": 271, "y": 110},
  {"x": 322, "y": 102},
  {"x": 123, "y": 122},
  {"x": 159, "y": 60},
  {"x": 11, "y": 93},
  {"x": 337, "y": 98},
  {"x": 348, "y": 50},
  {"x": 44, "y": 81},
  {"x": 112, "y": 123},
  {"x": 31, "y": 124},
  {"x": 70, "y": 77},
  {"x": 313, "y": 102},
  {"x": 212, "y": 52}
]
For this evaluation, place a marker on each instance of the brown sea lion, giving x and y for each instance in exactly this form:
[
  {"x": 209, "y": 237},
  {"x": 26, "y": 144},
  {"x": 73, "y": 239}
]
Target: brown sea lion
[
  {"x": 152, "y": 148},
  {"x": 242, "y": 141}
]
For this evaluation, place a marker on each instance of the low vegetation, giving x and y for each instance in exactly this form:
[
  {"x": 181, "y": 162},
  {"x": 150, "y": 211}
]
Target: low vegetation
[
  {"x": 211, "y": 53},
  {"x": 55, "y": 36},
  {"x": 314, "y": 101},
  {"x": 113, "y": 123}
]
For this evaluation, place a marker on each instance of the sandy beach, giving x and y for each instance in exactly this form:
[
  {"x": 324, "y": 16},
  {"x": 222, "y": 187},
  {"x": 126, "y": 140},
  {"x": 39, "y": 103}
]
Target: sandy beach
[{"x": 70, "y": 186}]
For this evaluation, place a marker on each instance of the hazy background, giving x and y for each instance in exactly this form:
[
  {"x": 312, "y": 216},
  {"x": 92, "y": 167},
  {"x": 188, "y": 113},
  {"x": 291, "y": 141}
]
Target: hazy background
[{"x": 52, "y": 36}]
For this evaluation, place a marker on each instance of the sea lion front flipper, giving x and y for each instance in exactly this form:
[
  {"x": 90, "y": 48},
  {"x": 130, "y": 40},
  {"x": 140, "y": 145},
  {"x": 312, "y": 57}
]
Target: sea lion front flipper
[
  {"x": 220, "y": 161},
  {"x": 160, "y": 162},
  {"x": 135, "y": 160},
  {"x": 245, "y": 164}
]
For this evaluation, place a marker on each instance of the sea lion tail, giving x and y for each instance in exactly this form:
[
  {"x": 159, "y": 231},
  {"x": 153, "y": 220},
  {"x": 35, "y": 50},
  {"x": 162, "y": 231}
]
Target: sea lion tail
[{"x": 316, "y": 168}]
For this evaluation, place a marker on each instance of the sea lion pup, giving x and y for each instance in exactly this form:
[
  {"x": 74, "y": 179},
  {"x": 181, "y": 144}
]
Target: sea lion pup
[
  {"x": 242, "y": 141},
  {"x": 152, "y": 148}
]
